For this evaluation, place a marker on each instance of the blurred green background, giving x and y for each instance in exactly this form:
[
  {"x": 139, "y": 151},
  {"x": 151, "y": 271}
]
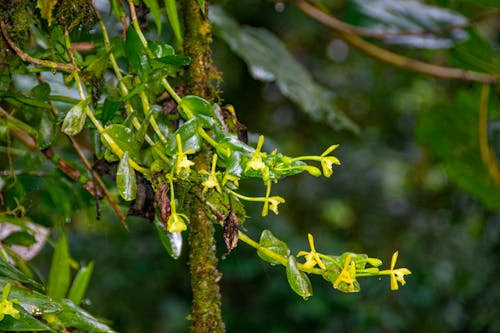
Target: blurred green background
[{"x": 410, "y": 180}]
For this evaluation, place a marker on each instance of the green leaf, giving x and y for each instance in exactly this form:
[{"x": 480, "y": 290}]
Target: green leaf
[
  {"x": 268, "y": 60},
  {"x": 270, "y": 242},
  {"x": 173, "y": 18},
  {"x": 458, "y": 150},
  {"x": 34, "y": 303},
  {"x": 59, "y": 275},
  {"x": 196, "y": 106},
  {"x": 21, "y": 238},
  {"x": 109, "y": 109},
  {"x": 125, "y": 179},
  {"x": 25, "y": 323},
  {"x": 73, "y": 316},
  {"x": 419, "y": 25},
  {"x": 475, "y": 54},
  {"x": 172, "y": 241},
  {"x": 154, "y": 8},
  {"x": 11, "y": 272},
  {"x": 189, "y": 137},
  {"x": 176, "y": 60},
  {"x": 46, "y": 8},
  {"x": 124, "y": 138},
  {"x": 201, "y": 3},
  {"x": 298, "y": 280},
  {"x": 97, "y": 63},
  {"x": 47, "y": 131},
  {"x": 136, "y": 54},
  {"x": 80, "y": 283},
  {"x": 41, "y": 91},
  {"x": 117, "y": 8},
  {"x": 75, "y": 118}
]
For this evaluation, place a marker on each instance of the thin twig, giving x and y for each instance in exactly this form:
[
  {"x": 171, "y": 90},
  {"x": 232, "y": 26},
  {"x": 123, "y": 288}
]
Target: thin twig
[
  {"x": 391, "y": 57},
  {"x": 487, "y": 154},
  {"x": 28, "y": 58}
]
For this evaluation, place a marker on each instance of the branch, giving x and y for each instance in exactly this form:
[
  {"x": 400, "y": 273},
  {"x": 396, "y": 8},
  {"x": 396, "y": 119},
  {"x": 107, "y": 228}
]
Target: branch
[
  {"x": 28, "y": 58},
  {"x": 350, "y": 35}
]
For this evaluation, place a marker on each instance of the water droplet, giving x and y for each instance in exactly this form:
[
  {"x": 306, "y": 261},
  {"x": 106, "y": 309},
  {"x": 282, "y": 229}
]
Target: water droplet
[{"x": 279, "y": 7}]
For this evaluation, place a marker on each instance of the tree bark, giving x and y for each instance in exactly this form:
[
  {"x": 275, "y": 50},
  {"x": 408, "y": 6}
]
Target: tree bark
[{"x": 206, "y": 313}]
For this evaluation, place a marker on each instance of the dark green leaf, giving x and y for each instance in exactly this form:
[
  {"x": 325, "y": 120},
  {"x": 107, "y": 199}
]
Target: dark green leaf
[
  {"x": 176, "y": 60},
  {"x": 172, "y": 241},
  {"x": 270, "y": 242},
  {"x": 21, "y": 238},
  {"x": 414, "y": 23},
  {"x": 98, "y": 63},
  {"x": 25, "y": 323},
  {"x": 475, "y": 54},
  {"x": 75, "y": 118},
  {"x": 80, "y": 283},
  {"x": 33, "y": 302},
  {"x": 125, "y": 179},
  {"x": 189, "y": 137},
  {"x": 109, "y": 109},
  {"x": 46, "y": 132},
  {"x": 161, "y": 50},
  {"x": 73, "y": 316},
  {"x": 136, "y": 54},
  {"x": 155, "y": 11},
  {"x": 11, "y": 272},
  {"x": 298, "y": 280},
  {"x": 59, "y": 275},
  {"x": 41, "y": 91},
  {"x": 268, "y": 60}
]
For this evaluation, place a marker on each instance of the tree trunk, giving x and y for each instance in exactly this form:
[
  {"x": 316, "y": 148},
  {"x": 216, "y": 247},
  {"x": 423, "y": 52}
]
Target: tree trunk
[{"x": 206, "y": 315}]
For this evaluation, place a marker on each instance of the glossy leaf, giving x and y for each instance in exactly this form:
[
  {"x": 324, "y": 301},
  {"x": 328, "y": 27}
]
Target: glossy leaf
[
  {"x": 73, "y": 316},
  {"x": 75, "y": 118},
  {"x": 268, "y": 60},
  {"x": 34, "y": 303},
  {"x": 189, "y": 137},
  {"x": 413, "y": 23},
  {"x": 270, "y": 242},
  {"x": 154, "y": 8},
  {"x": 171, "y": 241},
  {"x": 59, "y": 275},
  {"x": 176, "y": 60},
  {"x": 475, "y": 54},
  {"x": 124, "y": 138},
  {"x": 11, "y": 272},
  {"x": 173, "y": 18},
  {"x": 80, "y": 283},
  {"x": 298, "y": 280},
  {"x": 25, "y": 323},
  {"x": 125, "y": 179}
]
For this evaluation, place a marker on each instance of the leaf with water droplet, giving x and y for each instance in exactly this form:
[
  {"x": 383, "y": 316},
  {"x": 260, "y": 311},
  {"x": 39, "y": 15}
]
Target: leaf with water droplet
[
  {"x": 172, "y": 241},
  {"x": 75, "y": 118},
  {"x": 298, "y": 280},
  {"x": 125, "y": 179}
]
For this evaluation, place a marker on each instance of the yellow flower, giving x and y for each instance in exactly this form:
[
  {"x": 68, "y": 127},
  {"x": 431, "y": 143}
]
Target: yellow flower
[
  {"x": 256, "y": 162},
  {"x": 182, "y": 163},
  {"x": 177, "y": 222},
  {"x": 328, "y": 161},
  {"x": 211, "y": 181},
  {"x": 312, "y": 257},
  {"x": 271, "y": 202},
  {"x": 397, "y": 275},
  {"x": 347, "y": 275},
  {"x": 7, "y": 306}
]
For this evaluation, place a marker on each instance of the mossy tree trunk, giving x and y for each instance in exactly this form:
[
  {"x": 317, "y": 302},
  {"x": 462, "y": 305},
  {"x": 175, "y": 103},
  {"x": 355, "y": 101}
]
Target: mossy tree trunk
[{"x": 206, "y": 315}]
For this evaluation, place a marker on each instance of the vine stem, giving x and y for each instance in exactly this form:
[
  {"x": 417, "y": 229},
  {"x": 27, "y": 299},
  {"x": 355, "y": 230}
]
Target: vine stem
[
  {"x": 392, "y": 58},
  {"x": 487, "y": 154}
]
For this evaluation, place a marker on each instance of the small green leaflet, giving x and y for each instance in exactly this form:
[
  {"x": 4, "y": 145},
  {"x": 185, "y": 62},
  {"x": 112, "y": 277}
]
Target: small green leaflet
[
  {"x": 80, "y": 283},
  {"x": 59, "y": 276},
  {"x": 125, "y": 179},
  {"x": 173, "y": 18},
  {"x": 155, "y": 11},
  {"x": 270, "y": 242},
  {"x": 298, "y": 280},
  {"x": 75, "y": 118}
]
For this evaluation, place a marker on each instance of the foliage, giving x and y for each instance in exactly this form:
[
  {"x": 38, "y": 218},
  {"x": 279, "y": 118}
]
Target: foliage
[{"x": 158, "y": 150}]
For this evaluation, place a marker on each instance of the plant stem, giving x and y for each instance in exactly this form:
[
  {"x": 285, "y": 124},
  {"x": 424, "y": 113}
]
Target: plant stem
[{"x": 206, "y": 315}]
